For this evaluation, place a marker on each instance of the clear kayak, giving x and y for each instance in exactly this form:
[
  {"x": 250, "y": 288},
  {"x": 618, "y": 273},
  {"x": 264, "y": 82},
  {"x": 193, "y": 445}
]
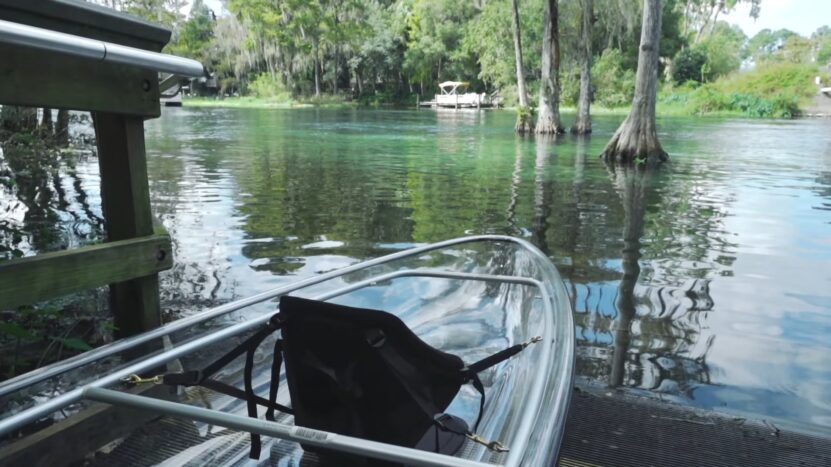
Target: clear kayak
[{"x": 469, "y": 296}]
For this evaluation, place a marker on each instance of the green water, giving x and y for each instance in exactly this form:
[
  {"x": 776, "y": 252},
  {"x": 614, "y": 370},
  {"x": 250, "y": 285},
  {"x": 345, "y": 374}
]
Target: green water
[
  {"x": 708, "y": 282},
  {"x": 730, "y": 308}
]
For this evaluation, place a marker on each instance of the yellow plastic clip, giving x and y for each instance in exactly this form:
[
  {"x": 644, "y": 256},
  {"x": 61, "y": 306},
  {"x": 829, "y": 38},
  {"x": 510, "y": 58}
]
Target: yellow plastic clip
[
  {"x": 533, "y": 340},
  {"x": 136, "y": 379},
  {"x": 492, "y": 445}
]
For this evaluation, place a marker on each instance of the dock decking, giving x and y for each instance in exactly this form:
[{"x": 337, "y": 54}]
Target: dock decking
[
  {"x": 606, "y": 428},
  {"x": 612, "y": 428}
]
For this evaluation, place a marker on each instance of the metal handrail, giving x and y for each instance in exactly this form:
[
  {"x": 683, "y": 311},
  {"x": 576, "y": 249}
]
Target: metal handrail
[{"x": 84, "y": 47}]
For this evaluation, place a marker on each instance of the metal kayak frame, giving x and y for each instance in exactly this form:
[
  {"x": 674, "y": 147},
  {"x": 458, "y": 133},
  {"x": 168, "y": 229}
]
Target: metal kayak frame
[{"x": 96, "y": 390}]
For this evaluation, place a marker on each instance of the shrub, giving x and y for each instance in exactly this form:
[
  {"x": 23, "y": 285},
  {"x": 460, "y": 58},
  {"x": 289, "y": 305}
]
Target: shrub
[
  {"x": 613, "y": 85},
  {"x": 267, "y": 87},
  {"x": 769, "y": 91},
  {"x": 570, "y": 86},
  {"x": 688, "y": 65}
]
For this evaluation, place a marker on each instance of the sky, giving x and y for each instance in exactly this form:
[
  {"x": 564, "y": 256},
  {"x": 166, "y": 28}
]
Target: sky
[{"x": 801, "y": 16}]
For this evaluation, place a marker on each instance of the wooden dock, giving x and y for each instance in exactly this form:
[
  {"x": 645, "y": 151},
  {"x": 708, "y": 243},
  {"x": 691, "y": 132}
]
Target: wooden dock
[
  {"x": 613, "y": 428},
  {"x": 606, "y": 428}
]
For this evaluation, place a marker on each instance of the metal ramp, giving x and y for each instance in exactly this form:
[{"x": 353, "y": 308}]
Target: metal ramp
[{"x": 611, "y": 428}]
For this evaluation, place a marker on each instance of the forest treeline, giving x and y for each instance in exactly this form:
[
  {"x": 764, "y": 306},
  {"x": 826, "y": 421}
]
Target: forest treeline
[{"x": 380, "y": 51}]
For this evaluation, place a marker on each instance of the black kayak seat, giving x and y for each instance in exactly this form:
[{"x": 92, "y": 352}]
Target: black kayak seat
[
  {"x": 358, "y": 372},
  {"x": 364, "y": 373}
]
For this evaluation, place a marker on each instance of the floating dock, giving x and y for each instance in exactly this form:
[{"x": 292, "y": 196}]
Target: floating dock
[
  {"x": 606, "y": 428},
  {"x": 615, "y": 428}
]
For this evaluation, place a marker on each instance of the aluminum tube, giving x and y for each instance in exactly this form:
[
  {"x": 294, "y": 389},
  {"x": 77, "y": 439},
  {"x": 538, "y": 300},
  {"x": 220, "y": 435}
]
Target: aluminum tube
[
  {"x": 181, "y": 66},
  {"x": 428, "y": 273},
  {"x": 42, "y": 374},
  {"x": 317, "y": 438},
  {"x": 76, "y": 46},
  {"x": 32, "y": 414},
  {"x": 29, "y": 36},
  {"x": 531, "y": 409}
]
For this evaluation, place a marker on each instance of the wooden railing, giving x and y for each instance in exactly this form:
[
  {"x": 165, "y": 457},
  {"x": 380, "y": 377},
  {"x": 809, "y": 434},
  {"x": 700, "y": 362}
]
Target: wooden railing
[
  {"x": 28, "y": 280},
  {"x": 120, "y": 97}
]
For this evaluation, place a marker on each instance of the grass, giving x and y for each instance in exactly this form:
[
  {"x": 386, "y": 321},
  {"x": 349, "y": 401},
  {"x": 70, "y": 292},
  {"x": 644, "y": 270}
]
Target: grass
[
  {"x": 774, "y": 90},
  {"x": 250, "y": 102}
]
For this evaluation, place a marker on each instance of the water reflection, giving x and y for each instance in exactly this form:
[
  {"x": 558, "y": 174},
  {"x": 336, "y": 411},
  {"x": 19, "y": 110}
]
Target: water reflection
[
  {"x": 657, "y": 267},
  {"x": 45, "y": 199},
  {"x": 706, "y": 282}
]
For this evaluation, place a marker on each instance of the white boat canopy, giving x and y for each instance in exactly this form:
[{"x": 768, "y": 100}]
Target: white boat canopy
[{"x": 450, "y": 87}]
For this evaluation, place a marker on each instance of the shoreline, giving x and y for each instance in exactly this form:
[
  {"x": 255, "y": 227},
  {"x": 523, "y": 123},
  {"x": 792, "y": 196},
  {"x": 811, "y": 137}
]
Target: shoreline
[{"x": 663, "y": 110}]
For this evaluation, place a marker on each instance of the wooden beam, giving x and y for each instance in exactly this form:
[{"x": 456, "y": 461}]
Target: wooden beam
[
  {"x": 125, "y": 200},
  {"x": 44, "y": 79},
  {"x": 28, "y": 280}
]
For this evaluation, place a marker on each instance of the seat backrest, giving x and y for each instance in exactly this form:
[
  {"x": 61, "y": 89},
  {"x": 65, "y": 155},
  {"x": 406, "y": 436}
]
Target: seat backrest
[{"x": 363, "y": 372}]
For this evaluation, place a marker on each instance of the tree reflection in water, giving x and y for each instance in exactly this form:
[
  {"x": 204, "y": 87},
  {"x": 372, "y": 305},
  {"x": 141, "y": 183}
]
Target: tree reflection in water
[{"x": 654, "y": 332}]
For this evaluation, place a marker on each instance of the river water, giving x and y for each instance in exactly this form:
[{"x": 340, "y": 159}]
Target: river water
[{"x": 726, "y": 250}]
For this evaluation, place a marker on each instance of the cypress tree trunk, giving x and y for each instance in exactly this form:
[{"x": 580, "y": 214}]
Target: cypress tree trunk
[
  {"x": 583, "y": 124},
  {"x": 46, "y": 121},
  {"x": 523, "y": 118},
  {"x": 335, "y": 72},
  {"x": 637, "y": 138},
  {"x": 317, "y": 75},
  {"x": 548, "y": 119},
  {"x": 62, "y": 128}
]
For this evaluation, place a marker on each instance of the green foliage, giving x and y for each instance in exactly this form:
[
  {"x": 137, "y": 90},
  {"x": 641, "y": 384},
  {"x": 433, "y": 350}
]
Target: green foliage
[
  {"x": 772, "y": 90},
  {"x": 766, "y": 43},
  {"x": 17, "y": 331},
  {"x": 723, "y": 49},
  {"x": 434, "y": 50},
  {"x": 688, "y": 66},
  {"x": 381, "y": 51},
  {"x": 194, "y": 36},
  {"x": 569, "y": 85},
  {"x": 488, "y": 36},
  {"x": 268, "y": 87},
  {"x": 824, "y": 52},
  {"x": 164, "y": 12},
  {"x": 613, "y": 85}
]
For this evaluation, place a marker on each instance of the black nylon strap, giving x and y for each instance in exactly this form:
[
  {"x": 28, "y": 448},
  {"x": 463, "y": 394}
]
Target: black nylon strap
[
  {"x": 249, "y": 398},
  {"x": 252, "y": 341},
  {"x": 477, "y": 384},
  {"x": 471, "y": 372},
  {"x": 494, "y": 359},
  {"x": 276, "y": 363},
  {"x": 229, "y": 390}
]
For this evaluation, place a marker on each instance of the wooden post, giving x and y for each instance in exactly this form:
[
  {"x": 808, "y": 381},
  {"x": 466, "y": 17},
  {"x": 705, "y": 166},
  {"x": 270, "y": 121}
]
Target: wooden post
[{"x": 125, "y": 199}]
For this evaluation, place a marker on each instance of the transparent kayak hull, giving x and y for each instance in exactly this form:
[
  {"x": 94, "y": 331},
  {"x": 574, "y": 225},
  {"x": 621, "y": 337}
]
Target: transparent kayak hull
[{"x": 470, "y": 296}]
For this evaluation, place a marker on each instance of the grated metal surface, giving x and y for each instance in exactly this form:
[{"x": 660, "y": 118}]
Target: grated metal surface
[
  {"x": 625, "y": 430},
  {"x": 605, "y": 428}
]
